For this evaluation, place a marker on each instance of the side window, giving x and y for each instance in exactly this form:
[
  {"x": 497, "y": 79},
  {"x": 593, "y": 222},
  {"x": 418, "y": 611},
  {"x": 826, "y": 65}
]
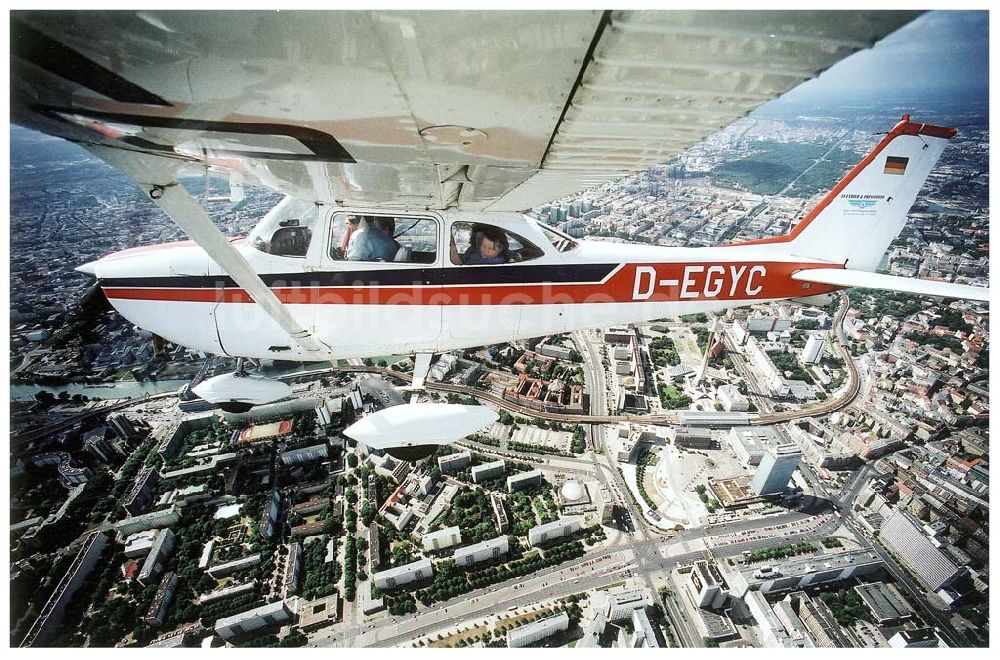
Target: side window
[
  {"x": 356, "y": 237},
  {"x": 478, "y": 244}
]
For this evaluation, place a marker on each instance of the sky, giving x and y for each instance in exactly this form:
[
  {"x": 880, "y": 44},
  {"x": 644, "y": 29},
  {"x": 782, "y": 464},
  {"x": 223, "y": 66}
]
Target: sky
[{"x": 942, "y": 54}]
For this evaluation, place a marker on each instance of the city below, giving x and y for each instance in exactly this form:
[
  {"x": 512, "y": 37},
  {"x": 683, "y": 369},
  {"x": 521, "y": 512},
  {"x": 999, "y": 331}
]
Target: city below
[{"x": 782, "y": 475}]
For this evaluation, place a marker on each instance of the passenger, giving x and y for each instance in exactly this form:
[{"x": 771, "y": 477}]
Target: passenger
[
  {"x": 352, "y": 226},
  {"x": 474, "y": 231},
  {"x": 492, "y": 248},
  {"x": 373, "y": 241}
]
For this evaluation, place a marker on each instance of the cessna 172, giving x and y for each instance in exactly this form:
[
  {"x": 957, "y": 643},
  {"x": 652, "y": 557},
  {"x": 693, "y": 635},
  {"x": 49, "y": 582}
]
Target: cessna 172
[{"x": 408, "y": 144}]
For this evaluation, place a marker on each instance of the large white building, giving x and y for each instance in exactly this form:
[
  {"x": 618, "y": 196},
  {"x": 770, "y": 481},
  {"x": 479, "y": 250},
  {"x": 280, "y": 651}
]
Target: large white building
[
  {"x": 524, "y": 480},
  {"x": 234, "y": 566},
  {"x": 760, "y": 323},
  {"x": 769, "y": 627},
  {"x": 775, "y": 470},
  {"x": 412, "y": 572},
  {"x": 153, "y": 520},
  {"x": 482, "y": 551},
  {"x": 140, "y": 543},
  {"x": 239, "y": 625},
  {"x": 530, "y": 633},
  {"x": 443, "y": 538},
  {"x": 293, "y": 569},
  {"x": 771, "y": 377},
  {"x": 813, "y": 351},
  {"x": 554, "y": 530},
  {"x": 490, "y": 470},
  {"x": 810, "y": 620},
  {"x": 156, "y": 560},
  {"x": 52, "y": 612},
  {"x": 622, "y": 602},
  {"x": 644, "y": 633},
  {"x": 925, "y": 557},
  {"x": 748, "y": 442},
  {"x": 732, "y": 400},
  {"x": 444, "y": 366},
  {"x": 708, "y": 589},
  {"x": 920, "y": 638},
  {"x": 801, "y": 572},
  {"x": 454, "y": 462}
]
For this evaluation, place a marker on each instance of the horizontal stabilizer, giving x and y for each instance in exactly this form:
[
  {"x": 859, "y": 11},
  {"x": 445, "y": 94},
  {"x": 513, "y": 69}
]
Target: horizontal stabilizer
[{"x": 867, "y": 280}]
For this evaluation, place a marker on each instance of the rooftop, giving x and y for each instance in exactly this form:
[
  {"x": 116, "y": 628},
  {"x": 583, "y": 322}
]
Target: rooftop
[
  {"x": 801, "y": 566},
  {"x": 883, "y": 600}
]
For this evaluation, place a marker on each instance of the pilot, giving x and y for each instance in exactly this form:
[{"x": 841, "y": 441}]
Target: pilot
[
  {"x": 492, "y": 248},
  {"x": 373, "y": 240}
]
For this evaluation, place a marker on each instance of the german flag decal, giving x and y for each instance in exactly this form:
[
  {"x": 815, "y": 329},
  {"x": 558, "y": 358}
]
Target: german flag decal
[{"x": 895, "y": 165}]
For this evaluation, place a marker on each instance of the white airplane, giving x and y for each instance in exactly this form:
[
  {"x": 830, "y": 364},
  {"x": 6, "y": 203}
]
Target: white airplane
[{"x": 408, "y": 144}]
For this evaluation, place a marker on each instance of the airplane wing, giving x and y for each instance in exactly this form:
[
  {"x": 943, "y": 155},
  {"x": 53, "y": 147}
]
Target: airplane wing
[{"x": 475, "y": 110}]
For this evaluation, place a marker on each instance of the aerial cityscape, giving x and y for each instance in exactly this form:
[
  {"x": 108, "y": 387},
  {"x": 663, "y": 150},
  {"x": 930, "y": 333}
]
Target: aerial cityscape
[{"x": 782, "y": 475}]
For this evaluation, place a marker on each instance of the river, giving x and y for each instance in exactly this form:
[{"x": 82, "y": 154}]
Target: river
[{"x": 129, "y": 389}]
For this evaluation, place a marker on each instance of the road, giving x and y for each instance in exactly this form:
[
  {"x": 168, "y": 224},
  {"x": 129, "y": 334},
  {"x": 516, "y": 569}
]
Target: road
[
  {"x": 844, "y": 502},
  {"x": 832, "y": 404},
  {"x": 619, "y": 558}
]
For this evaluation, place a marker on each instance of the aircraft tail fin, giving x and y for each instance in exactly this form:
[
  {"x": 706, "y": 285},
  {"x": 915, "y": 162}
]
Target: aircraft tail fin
[{"x": 854, "y": 224}]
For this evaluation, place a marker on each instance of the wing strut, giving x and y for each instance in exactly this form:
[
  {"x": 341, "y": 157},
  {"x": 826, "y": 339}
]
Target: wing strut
[{"x": 157, "y": 176}]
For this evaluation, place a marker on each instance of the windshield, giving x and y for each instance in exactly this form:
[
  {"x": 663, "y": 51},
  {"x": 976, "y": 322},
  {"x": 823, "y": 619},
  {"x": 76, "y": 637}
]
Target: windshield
[{"x": 287, "y": 229}]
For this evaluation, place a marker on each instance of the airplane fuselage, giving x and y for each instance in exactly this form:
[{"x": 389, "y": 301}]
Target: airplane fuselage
[{"x": 367, "y": 309}]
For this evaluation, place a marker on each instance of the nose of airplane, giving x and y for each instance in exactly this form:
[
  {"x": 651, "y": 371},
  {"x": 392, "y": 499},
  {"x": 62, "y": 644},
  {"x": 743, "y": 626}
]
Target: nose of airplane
[{"x": 88, "y": 268}]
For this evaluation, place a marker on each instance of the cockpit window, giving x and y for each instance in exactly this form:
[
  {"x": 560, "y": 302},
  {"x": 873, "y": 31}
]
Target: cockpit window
[
  {"x": 559, "y": 240},
  {"x": 286, "y": 231},
  {"x": 368, "y": 237},
  {"x": 478, "y": 244}
]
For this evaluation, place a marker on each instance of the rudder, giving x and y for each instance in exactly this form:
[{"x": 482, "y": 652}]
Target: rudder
[{"x": 854, "y": 224}]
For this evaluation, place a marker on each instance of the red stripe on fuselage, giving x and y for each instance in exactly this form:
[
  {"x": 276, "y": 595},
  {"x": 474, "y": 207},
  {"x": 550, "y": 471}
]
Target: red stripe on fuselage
[{"x": 674, "y": 282}]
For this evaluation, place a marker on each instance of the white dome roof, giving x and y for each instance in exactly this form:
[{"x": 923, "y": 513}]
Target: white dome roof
[{"x": 572, "y": 491}]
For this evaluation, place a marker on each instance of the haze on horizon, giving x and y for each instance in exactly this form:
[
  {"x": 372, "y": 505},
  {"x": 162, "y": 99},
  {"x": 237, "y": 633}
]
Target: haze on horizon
[{"x": 940, "y": 56}]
